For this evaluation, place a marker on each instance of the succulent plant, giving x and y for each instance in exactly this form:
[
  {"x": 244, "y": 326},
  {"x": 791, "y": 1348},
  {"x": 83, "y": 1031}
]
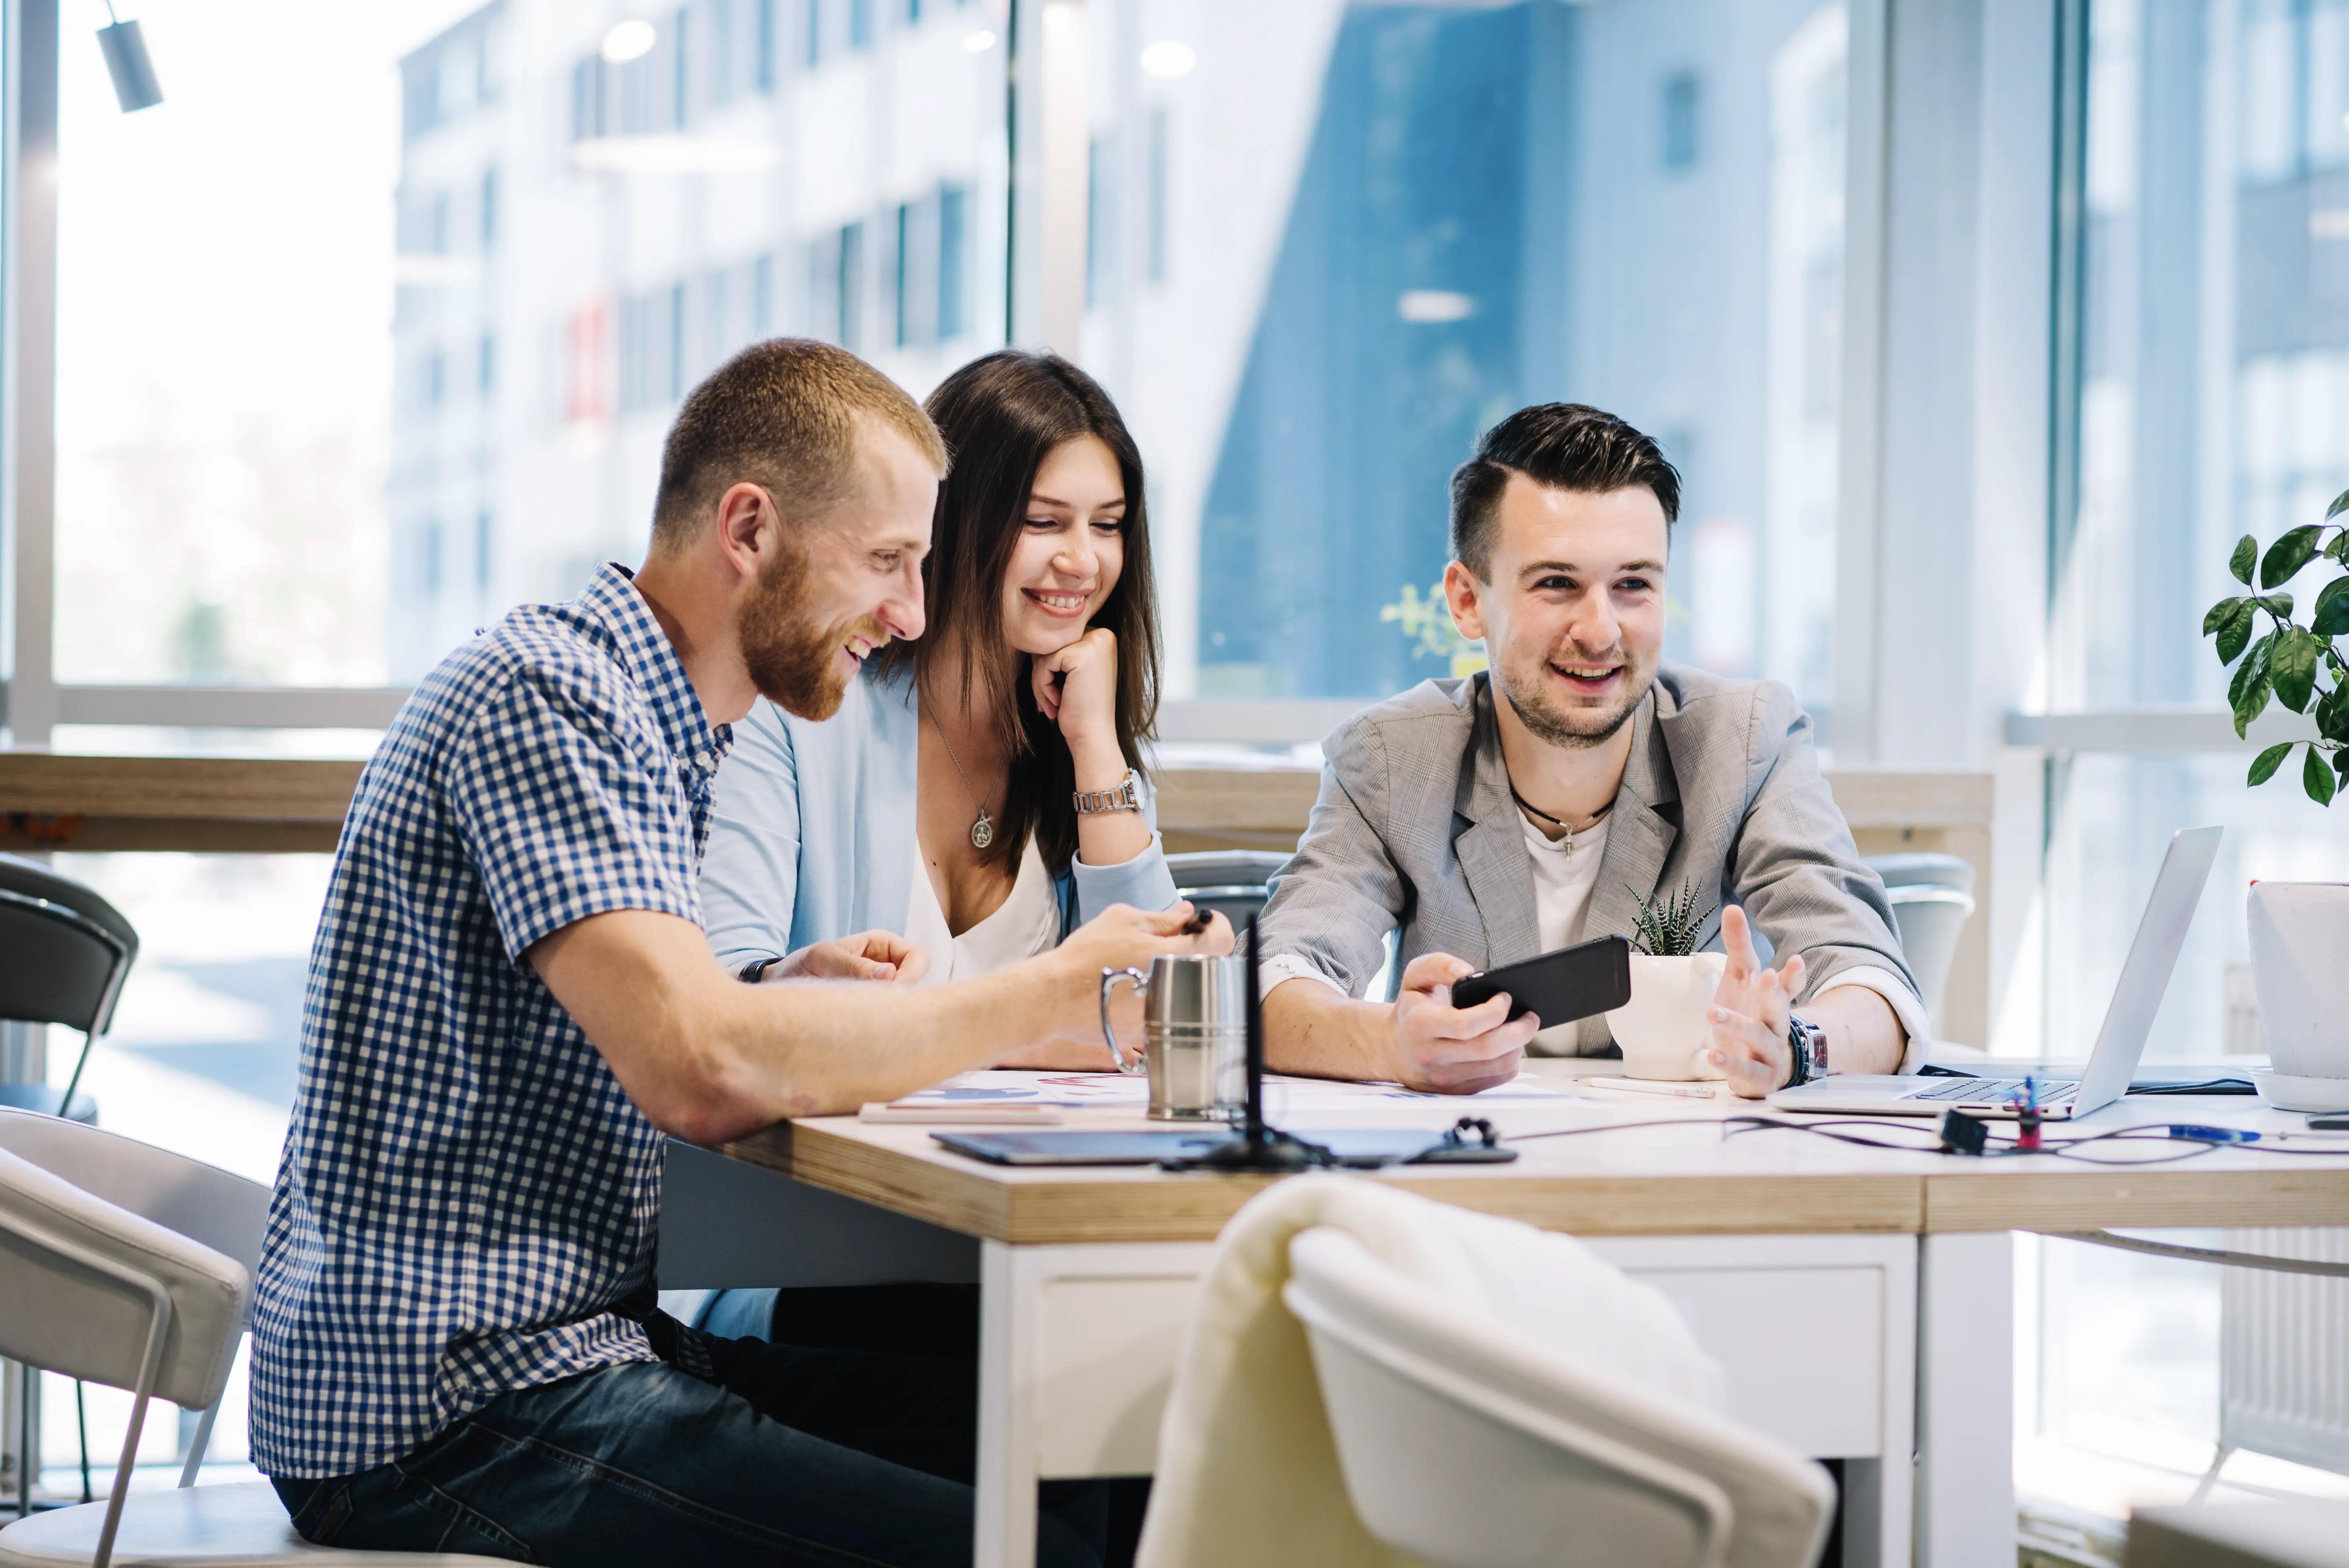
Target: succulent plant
[{"x": 1671, "y": 926}]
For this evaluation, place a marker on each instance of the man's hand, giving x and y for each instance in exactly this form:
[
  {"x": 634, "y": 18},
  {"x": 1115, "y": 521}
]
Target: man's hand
[
  {"x": 1448, "y": 1049},
  {"x": 867, "y": 956},
  {"x": 1121, "y": 937},
  {"x": 1749, "y": 1012}
]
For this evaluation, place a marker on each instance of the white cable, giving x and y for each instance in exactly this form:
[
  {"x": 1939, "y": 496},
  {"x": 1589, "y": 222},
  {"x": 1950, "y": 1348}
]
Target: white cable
[{"x": 2207, "y": 1255}]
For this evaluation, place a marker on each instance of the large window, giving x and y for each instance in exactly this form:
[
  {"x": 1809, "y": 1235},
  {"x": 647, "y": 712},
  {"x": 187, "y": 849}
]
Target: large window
[
  {"x": 1332, "y": 245},
  {"x": 372, "y": 330},
  {"x": 2208, "y": 314},
  {"x": 2213, "y": 400}
]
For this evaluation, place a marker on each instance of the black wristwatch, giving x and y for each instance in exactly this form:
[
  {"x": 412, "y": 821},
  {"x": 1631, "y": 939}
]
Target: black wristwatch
[
  {"x": 751, "y": 973},
  {"x": 1807, "y": 1044}
]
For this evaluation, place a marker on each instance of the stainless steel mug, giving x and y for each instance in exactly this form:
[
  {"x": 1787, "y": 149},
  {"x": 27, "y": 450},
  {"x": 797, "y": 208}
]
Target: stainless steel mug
[{"x": 1195, "y": 1025}]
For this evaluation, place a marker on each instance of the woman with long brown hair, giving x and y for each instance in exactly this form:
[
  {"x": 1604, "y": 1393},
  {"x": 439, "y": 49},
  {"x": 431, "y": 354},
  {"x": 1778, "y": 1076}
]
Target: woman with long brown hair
[{"x": 980, "y": 790}]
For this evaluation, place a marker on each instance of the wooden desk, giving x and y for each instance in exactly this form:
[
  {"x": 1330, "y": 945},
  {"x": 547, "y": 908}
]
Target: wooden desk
[
  {"x": 223, "y": 805},
  {"x": 1862, "y": 1299}
]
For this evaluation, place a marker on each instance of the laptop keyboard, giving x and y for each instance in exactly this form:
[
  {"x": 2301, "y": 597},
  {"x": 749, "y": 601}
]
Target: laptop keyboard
[{"x": 1998, "y": 1091}]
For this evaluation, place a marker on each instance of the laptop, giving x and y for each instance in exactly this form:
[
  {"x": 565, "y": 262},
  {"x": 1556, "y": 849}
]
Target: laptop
[{"x": 2128, "y": 1019}]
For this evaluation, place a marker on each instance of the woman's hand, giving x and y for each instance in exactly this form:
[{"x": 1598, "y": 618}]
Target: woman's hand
[{"x": 1076, "y": 688}]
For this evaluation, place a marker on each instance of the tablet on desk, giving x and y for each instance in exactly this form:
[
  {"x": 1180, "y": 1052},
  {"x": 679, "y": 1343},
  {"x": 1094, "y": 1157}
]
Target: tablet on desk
[
  {"x": 1356, "y": 1147},
  {"x": 1084, "y": 1148}
]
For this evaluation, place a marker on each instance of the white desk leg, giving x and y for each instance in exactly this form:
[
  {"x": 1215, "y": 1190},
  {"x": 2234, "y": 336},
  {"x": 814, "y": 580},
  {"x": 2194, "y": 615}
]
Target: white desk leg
[
  {"x": 1965, "y": 1416},
  {"x": 1006, "y": 1527}
]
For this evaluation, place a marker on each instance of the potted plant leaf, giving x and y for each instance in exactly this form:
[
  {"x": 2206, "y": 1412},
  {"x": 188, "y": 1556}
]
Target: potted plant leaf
[
  {"x": 2298, "y": 930},
  {"x": 1661, "y": 1030}
]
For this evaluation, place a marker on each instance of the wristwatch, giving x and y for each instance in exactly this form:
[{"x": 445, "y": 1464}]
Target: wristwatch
[
  {"x": 1807, "y": 1044},
  {"x": 1125, "y": 797},
  {"x": 751, "y": 973}
]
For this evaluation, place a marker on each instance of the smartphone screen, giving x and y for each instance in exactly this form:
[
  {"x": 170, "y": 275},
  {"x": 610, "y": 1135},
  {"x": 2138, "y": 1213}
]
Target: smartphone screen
[{"x": 1559, "y": 987}]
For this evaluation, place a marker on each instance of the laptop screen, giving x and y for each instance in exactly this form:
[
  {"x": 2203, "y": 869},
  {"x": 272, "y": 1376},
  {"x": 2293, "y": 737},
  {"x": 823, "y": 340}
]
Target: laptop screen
[{"x": 2145, "y": 976}]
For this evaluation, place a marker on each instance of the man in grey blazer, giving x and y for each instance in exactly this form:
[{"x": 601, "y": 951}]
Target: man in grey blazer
[{"x": 1503, "y": 816}]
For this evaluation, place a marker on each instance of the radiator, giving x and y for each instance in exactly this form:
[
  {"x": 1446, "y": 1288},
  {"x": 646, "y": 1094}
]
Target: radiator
[{"x": 2283, "y": 1352}]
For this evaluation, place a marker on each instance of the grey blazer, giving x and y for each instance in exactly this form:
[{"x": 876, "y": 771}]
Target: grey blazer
[{"x": 1414, "y": 828}]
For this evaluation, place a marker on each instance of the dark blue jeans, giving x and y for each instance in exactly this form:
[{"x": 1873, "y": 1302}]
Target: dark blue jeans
[{"x": 790, "y": 1456}]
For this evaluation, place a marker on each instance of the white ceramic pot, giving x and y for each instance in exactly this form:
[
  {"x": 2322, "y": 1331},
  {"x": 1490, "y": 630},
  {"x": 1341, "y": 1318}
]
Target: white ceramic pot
[
  {"x": 2300, "y": 966},
  {"x": 1662, "y": 1028}
]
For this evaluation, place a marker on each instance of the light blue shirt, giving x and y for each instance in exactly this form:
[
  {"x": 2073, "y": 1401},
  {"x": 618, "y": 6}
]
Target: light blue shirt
[{"x": 812, "y": 835}]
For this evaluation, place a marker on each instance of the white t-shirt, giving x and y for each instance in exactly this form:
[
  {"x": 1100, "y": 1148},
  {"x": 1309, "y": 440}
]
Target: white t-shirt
[
  {"x": 1565, "y": 872},
  {"x": 1027, "y": 923}
]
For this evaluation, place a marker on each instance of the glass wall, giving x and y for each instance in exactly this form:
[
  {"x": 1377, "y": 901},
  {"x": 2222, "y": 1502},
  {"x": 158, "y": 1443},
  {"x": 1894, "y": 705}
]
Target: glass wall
[
  {"x": 2213, "y": 401},
  {"x": 2215, "y": 388},
  {"x": 1332, "y": 247},
  {"x": 500, "y": 241}
]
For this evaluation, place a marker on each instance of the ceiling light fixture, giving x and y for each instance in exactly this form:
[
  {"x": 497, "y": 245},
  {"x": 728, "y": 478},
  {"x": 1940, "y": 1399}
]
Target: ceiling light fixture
[
  {"x": 630, "y": 40},
  {"x": 1169, "y": 59},
  {"x": 125, "y": 48},
  {"x": 977, "y": 42}
]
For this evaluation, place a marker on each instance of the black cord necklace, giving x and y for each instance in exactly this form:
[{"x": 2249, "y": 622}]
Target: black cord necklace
[{"x": 1571, "y": 829}]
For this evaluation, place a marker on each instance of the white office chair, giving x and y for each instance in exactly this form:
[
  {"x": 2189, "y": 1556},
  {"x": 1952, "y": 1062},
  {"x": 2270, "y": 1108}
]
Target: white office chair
[
  {"x": 121, "y": 1263},
  {"x": 1932, "y": 897},
  {"x": 1470, "y": 1444}
]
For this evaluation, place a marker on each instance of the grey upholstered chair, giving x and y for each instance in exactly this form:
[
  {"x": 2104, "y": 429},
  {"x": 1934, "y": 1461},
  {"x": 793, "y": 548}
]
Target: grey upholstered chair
[{"x": 124, "y": 1264}]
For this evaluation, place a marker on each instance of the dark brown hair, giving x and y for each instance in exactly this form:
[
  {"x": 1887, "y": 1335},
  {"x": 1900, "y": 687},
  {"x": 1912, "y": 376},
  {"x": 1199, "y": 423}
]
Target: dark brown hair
[
  {"x": 1565, "y": 446},
  {"x": 783, "y": 413},
  {"x": 1002, "y": 415}
]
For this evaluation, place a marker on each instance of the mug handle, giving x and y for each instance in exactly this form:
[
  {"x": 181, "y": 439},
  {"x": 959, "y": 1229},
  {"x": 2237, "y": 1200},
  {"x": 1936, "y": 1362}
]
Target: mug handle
[{"x": 1109, "y": 977}]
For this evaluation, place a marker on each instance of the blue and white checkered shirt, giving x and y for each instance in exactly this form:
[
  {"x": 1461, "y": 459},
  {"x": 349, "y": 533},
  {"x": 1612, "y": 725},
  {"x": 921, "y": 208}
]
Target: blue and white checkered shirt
[{"x": 467, "y": 1195}]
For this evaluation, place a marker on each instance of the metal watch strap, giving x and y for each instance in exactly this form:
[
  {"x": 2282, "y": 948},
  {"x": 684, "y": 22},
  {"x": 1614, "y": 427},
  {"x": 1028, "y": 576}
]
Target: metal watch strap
[
  {"x": 1807, "y": 1044},
  {"x": 1125, "y": 796}
]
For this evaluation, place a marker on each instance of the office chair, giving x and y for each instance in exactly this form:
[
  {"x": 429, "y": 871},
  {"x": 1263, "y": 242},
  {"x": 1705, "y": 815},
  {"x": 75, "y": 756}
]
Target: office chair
[
  {"x": 63, "y": 954},
  {"x": 124, "y": 1264},
  {"x": 1232, "y": 881},
  {"x": 1470, "y": 1444},
  {"x": 1932, "y": 898}
]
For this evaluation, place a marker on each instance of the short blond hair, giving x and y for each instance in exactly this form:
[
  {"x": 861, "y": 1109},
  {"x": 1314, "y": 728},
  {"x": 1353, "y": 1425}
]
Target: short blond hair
[{"x": 783, "y": 413}]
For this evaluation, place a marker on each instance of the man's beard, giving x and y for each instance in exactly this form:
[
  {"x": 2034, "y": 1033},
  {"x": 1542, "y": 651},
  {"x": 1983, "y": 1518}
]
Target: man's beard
[
  {"x": 790, "y": 657},
  {"x": 1529, "y": 697}
]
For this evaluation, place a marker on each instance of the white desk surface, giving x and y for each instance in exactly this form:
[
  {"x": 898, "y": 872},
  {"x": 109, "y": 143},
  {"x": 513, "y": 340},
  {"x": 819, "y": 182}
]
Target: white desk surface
[{"x": 1683, "y": 1173}]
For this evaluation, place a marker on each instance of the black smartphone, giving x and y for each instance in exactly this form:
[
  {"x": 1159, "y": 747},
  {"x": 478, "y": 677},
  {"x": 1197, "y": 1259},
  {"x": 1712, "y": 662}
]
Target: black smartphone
[
  {"x": 1557, "y": 987},
  {"x": 2329, "y": 1123}
]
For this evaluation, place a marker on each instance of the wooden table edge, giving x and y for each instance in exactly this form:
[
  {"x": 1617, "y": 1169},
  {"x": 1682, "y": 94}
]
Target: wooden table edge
[{"x": 970, "y": 1200}]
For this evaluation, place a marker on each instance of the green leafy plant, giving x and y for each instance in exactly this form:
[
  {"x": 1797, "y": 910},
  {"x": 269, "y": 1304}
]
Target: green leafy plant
[
  {"x": 1428, "y": 623},
  {"x": 1671, "y": 926},
  {"x": 2297, "y": 665}
]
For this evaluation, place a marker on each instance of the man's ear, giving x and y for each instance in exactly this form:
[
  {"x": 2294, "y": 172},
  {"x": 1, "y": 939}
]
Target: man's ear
[
  {"x": 746, "y": 528},
  {"x": 1461, "y": 592}
]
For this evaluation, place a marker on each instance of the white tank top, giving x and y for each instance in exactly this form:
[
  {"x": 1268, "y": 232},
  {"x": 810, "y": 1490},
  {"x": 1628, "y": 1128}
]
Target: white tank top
[{"x": 1027, "y": 923}]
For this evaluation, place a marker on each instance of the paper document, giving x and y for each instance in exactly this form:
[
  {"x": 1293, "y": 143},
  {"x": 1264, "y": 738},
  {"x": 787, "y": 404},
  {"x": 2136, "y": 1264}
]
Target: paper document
[{"x": 1009, "y": 1086}]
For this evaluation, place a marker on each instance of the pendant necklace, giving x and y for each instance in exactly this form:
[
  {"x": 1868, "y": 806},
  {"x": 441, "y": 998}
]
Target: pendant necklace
[
  {"x": 1554, "y": 821},
  {"x": 982, "y": 833}
]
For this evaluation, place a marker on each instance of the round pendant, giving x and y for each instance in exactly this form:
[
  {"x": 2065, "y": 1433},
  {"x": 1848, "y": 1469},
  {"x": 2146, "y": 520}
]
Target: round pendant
[{"x": 982, "y": 833}]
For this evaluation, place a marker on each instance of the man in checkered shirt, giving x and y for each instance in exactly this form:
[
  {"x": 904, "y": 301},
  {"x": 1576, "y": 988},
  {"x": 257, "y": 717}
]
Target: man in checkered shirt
[{"x": 456, "y": 1345}]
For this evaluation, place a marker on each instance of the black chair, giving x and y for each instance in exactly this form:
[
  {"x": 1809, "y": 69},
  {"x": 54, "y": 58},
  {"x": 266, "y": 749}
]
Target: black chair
[
  {"x": 1229, "y": 882},
  {"x": 64, "y": 953}
]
